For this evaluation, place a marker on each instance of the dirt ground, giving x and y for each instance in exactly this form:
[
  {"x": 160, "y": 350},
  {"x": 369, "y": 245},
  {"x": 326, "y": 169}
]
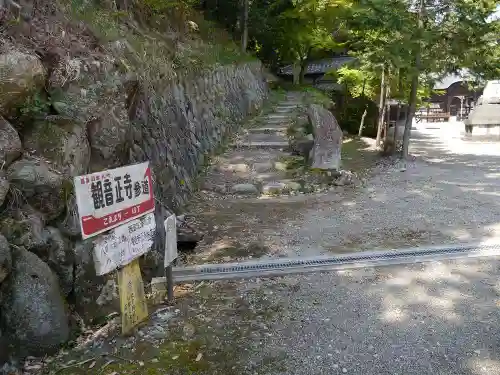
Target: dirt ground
[{"x": 238, "y": 228}]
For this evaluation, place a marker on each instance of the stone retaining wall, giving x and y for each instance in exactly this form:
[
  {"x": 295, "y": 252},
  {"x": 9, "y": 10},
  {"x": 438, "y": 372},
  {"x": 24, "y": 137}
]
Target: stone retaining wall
[{"x": 99, "y": 119}]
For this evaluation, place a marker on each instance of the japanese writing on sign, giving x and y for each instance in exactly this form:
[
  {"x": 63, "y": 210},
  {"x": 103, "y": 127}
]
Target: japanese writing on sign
[
  {"x": 132, "y": 298},
  {"x": 124, "y": 244},
  {"x": 170, "y": 240},
  {"x": 113, "y": 197}
]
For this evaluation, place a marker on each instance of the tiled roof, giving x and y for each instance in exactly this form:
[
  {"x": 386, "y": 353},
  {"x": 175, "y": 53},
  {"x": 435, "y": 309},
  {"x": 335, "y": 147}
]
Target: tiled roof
[
  {"x": 320, "y": 66},
  {"x": 450, "y": 79},
  {"x": 328, "y": 86}
]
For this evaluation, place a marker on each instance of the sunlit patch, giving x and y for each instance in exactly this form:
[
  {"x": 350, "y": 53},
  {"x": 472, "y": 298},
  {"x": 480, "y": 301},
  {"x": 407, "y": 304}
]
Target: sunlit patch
[
  {"x": 349, "y": 203},
  {"x": 394, "y": 315},
  {"x": 484, "y": 366},
  {"x": 381, "y": 197},
  {"x": 217, "y": 247}
]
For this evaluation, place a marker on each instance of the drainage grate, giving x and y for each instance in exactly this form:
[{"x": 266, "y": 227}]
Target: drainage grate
[{"x": 276, "y": 267}]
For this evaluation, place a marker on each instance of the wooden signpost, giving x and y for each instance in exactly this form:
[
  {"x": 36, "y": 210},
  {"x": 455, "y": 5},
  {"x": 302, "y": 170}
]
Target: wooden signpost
[{"x": 120, "y": 202}]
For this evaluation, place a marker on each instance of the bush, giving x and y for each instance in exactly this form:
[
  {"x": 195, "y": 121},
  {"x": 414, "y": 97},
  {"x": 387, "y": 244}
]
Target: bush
[{"x": 350, "y": 110}]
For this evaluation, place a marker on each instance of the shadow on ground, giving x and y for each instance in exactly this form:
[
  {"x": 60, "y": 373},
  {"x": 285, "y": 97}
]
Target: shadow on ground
[
  {"x": 235, "y": 228},
  {"x": 418, "y": 319}
]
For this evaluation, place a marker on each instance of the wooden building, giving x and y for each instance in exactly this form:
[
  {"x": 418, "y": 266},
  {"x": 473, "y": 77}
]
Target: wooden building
[
  {"x": 316, "y": 70},
  {"x": 455, "y": 97}
]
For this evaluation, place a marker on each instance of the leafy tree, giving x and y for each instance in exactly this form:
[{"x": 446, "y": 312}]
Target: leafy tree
[
  {"x": 417, "y": 39},
  {"x": 298, "y": 30}
]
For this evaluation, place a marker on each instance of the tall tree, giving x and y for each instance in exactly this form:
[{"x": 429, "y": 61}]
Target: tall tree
[
  {"x": 244, "y": 25},
  {"x": 294, "y": 31},
  {"x": 425, "y": 36}
]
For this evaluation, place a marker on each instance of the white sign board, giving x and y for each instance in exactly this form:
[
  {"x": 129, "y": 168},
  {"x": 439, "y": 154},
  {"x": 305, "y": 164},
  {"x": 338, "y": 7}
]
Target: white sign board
[
  {"x": 111, "y": 198},
  {"x": 170, "y": 240},
  {"x": 124, "y": 244}
]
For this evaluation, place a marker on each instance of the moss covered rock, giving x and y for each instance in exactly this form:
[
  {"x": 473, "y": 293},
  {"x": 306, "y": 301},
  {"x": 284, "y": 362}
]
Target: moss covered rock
[
  {"x": 21, "y": 75},
  {"x": 61, "y": 141},
  {"x": 40, "y": 184}
]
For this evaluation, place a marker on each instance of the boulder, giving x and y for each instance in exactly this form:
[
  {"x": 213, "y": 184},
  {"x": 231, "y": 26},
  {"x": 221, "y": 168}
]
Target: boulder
[
  {"x": 34, "y": 318},
  {"x": 4, "y": 187},
  {"x": 109, "y": 131},
  {"x": 244, "y": 189},
  {"x": 108, "y": 136},
  {"x": 344, "y": 178},
  {"x": 10, "y": 144},
  {"x": 5, "y": 258},
  {"x": 21, "y": 75},
  {"x": 39, "y": 184},
  {"x": 61, "y": 258},
  {"x": 302, "y": 146},
  {"x": 326, "y": 153},
  {"x": 25, "y": 227},
  {"x": 95, "y": 297},
  {"x": 69, "y": 225},
  {"x": 61, "y": 141}
]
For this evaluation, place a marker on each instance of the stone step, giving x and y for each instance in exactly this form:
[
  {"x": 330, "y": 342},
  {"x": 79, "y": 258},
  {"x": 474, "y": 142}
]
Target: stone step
[
  {"x": 291, "y": 104},
  {"x": 273, "y": 121},
  {"x": 252, "y": 167},
  {"x": 250, "y": 157},
  {"x": 279, "y": 128},
  {"x": 279, "y": 116},
  {"x": 277, "y": 145},
  {"x": 264, "y": 137},
  {"x": 290, "y": 110},
  {"x": 281, "y": 187}
]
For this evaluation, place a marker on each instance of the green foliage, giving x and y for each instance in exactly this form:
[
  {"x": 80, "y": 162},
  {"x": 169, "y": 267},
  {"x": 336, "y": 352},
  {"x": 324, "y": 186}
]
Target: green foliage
[
  {"x": 286, "y": 31},
  {"x": 35, "y": 106},
  {"x": 350, "y": 110},
  {"x": 163, "y": 6},
  {"x": 357, "y": 81}
]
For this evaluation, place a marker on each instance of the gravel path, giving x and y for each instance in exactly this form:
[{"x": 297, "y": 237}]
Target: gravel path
[
  {"x": 420, "y": 319},
  {"x": 449, "y": 193},
  {"x": 433, "y": 318},
  {"x": 436, "y": 318}
]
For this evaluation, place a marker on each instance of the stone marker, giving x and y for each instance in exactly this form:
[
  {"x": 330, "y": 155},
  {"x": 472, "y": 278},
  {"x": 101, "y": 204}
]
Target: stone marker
[
  {"x": 327, "y": 138},
  {"x": 244, "y": 189}
]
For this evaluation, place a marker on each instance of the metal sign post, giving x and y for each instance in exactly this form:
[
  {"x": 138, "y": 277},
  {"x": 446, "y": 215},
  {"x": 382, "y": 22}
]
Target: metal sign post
[{"x": 170, "y": 253}]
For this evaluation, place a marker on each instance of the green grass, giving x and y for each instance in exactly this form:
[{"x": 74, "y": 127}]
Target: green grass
[{"x": 152, "y": 53}]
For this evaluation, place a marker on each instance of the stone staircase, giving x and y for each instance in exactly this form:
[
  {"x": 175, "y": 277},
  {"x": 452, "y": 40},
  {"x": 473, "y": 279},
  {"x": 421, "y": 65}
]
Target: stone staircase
[{"x": 256, "y": 164}]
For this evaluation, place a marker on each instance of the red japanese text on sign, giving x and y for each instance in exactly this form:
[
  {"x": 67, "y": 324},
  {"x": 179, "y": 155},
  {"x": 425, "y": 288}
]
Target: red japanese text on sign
[{"x": 111, "y": 198}]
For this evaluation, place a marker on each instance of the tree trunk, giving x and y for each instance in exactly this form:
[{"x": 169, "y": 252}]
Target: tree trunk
[
  {"x": 387, "y": 112},
  {"x": 398, "y": 114},
  {"x": 296, "y": 69},
  {"x": 244, "y": 27},
  {"x": 412, "y": 102},
  {"x": 381, "y": 108},
  {"x": 304, "y": 62},
  {"x": 362, "y": 124},
  {"x": 303, "y": 70},
  {"x": 411, "y": 113}
]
